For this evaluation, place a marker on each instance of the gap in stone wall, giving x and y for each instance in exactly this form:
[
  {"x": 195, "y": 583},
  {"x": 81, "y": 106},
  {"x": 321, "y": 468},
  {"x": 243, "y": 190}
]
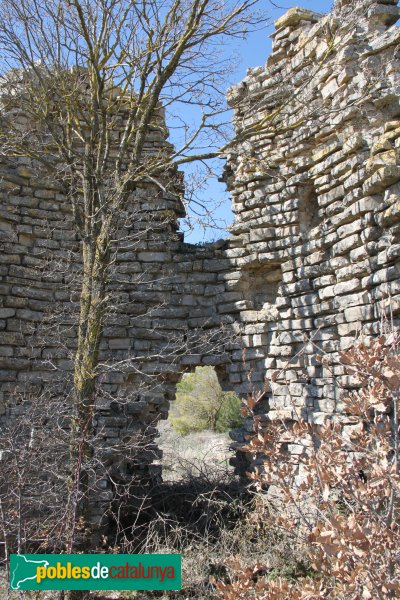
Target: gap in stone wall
[{"x": 199, "y": 452}]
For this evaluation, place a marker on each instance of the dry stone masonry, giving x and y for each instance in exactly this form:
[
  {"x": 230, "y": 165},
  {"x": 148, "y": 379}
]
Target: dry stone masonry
[
  {"x": 314, "y": 175},
  {"x": 313, "y": 259},
  {"x": 163, "y": 315}
]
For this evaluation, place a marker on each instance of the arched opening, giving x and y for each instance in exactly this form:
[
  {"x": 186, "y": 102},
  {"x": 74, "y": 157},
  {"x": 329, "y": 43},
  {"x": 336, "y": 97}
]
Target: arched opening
[
  {"x": 194, "y": 439},
  {"x": 199, "y": 507}
]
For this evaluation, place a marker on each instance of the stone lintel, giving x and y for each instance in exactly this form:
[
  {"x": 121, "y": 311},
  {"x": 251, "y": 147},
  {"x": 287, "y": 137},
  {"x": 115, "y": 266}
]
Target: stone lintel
[{"x": 295, "y": 15}]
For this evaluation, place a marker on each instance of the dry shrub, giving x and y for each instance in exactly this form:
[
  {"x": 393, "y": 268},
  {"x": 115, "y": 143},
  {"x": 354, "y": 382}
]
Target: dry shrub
[
  {"x": 207, "y": 516},
  {"x": 340, "y": 494}
]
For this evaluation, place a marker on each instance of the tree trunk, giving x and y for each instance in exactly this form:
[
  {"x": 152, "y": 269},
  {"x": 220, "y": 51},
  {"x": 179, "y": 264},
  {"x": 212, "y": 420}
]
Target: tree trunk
[{"x": 91, "y": 322}]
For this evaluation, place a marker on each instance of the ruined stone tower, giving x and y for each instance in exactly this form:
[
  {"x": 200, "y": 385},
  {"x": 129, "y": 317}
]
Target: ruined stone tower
[{"x": 312, "y": 261}]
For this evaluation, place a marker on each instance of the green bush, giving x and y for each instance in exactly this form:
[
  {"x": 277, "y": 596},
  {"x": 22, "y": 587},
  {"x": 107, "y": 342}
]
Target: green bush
[{"x": 230, "y": 415}]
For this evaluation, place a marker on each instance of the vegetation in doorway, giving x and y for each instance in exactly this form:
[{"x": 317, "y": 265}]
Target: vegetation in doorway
[{"x": 201, "y": 404}]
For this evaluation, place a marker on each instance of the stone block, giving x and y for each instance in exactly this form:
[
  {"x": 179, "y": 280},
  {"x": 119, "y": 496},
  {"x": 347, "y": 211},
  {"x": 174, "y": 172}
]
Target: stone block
[
  {"x": 6, "y": 313},
  {"x": 391, "y": 213},
  {"x": 346, "y": 287},
  {"x": 158, "y": 257},
  {"x": 383, "y": 14},
  {"x": 119, "y": 343},
  {"x": 346, "y": 244},
  {"x": 382, "y": 179},
  {"x": 330, "y": 89},
  {"x": 359, "y": 313}
]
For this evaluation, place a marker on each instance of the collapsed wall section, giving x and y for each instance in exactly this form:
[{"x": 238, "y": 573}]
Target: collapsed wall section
[{"x": 314, "y": 174}]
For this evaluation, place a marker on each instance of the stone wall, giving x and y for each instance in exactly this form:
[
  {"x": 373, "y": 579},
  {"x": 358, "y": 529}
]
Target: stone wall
[
  {"x": 162, "y": 319},
  {"x": 314, "y": 175},
  {"x": 313, "y": 259}
]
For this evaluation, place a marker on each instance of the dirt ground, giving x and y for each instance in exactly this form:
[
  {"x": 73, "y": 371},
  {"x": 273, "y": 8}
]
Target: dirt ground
[{"x": 191, "y": 454}]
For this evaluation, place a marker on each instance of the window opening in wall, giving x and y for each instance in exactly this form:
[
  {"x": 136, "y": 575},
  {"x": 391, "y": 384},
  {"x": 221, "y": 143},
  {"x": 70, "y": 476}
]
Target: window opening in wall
[
  {"x": 260, "y": 286},
  {"x": 308, "y": 208}
]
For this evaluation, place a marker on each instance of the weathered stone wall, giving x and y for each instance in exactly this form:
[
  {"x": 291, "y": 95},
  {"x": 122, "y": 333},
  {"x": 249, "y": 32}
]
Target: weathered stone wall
[
  {"x": 314, "y": 256},
  {"x": 314, "y": 174},
  {"x": 163, "y": 316}
]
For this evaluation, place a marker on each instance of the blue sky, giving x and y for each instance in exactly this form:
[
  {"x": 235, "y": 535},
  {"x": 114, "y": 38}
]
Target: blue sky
[{"x": 254, "y": 52}]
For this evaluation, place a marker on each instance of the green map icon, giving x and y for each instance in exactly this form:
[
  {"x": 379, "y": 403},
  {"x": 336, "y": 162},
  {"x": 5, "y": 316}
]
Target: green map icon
[{"x": 23, "y": 569}]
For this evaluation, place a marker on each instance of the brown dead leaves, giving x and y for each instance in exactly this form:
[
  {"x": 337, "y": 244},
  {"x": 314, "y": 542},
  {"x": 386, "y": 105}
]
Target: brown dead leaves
[{"x": 341, "y": 488}]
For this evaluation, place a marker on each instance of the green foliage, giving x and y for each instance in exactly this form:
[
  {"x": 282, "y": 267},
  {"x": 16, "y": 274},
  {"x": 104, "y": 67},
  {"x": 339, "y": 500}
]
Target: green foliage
[
  {"x": 201, "y": 404},
  {"x": 230, "y": 415}
]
